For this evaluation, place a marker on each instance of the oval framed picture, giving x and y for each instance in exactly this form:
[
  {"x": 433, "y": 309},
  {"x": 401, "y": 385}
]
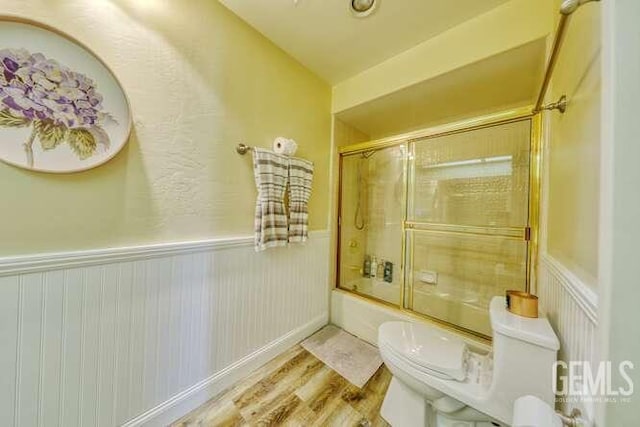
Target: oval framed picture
[{"x": 61, "y": 108}]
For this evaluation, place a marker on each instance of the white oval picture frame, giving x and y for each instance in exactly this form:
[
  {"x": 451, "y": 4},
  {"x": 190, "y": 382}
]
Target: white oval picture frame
[{"x": 62, "y": 109}]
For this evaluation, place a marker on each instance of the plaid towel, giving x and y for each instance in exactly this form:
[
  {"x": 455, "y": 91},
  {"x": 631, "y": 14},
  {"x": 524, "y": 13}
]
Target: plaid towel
[
  {"x": 300, "y": 179},
  {"x": 270, "y": 170}
]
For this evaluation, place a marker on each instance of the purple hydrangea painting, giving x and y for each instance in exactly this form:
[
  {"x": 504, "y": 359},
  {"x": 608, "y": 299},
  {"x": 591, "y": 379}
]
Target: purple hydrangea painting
[
  {"x": 57, "y": 104},
  {"x": 62, "y": 109}
]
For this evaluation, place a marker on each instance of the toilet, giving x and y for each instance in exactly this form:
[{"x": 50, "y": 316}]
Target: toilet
[
  {"x": 529, "y": 411},
  {"x": 441, "y": 381}
]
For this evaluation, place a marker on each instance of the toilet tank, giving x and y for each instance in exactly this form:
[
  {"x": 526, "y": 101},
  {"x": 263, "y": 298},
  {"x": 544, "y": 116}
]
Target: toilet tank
[{"x": 524, "y": 351}]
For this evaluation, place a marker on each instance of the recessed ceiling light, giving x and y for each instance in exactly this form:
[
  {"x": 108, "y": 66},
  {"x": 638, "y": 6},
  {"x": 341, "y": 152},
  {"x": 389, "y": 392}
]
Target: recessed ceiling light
[{"x": 363, "y": 8}]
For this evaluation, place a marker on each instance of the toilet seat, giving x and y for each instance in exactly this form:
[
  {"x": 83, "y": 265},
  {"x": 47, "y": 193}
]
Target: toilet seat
[
  {"x": 426, "y": 349},
  {"x": 399, "y": 358}
]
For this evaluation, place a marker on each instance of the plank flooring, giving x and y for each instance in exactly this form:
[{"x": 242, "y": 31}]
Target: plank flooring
[{"x": 295, "y": 389}]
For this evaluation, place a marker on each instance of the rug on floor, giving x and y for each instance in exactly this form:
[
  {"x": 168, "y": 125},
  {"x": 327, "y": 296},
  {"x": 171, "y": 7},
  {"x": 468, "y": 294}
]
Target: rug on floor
[{"x": 349, "y": 356}]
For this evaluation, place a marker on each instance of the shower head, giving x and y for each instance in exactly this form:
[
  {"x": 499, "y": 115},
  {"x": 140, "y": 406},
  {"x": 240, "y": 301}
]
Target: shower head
[{"x": 570, "y": 6}]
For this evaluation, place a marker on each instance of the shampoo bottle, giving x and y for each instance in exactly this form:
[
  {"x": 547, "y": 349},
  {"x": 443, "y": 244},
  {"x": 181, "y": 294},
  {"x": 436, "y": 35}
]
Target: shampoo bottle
[
  {"x": 366, "y": 268},
  {"x": 388, "y": 272}
]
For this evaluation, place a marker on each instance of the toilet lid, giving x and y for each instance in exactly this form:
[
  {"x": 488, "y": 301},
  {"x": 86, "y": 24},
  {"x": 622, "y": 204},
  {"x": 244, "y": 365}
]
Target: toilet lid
[{"x": 426, "y": 347}]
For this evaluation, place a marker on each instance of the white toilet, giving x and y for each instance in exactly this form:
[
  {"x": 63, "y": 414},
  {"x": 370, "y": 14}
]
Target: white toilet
[
  {"x": 529, "y": 411},
  {"x": 439, "y": 381}
]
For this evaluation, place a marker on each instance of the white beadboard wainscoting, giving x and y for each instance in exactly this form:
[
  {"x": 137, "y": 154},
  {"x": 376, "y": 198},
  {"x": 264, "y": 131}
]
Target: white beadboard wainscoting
[
  {"x": 140, "y": 336},
  {"x": 572, "y": 308}
]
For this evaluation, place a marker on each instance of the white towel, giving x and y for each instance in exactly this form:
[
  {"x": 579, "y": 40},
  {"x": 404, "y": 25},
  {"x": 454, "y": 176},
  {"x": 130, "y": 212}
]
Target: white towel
[
  {"x": 300, "y": 180},
  {"x": 271, "y": 173}
]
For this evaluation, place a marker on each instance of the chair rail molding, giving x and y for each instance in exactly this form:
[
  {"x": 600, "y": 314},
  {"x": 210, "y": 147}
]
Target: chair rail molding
[{"x": 23, "y": 264}]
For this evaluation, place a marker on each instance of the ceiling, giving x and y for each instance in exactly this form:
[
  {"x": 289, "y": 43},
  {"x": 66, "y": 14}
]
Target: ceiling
[
  {"x": 510, "y": 79},
  {"x": 325, "y": 37}
]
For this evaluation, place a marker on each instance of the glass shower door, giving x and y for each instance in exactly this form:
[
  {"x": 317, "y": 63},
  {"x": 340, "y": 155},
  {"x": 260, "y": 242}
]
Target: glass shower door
[
  {"x": 466, "y": 229},
  {"x": 372, "y": 211}
]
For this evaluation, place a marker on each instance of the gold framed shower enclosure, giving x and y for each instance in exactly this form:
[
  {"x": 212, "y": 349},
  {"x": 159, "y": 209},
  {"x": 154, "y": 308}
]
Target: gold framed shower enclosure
[{"x": 411, "y": 227}]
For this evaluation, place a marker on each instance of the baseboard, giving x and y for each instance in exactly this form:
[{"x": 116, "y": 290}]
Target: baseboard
[{"x": 188, "y": 400}]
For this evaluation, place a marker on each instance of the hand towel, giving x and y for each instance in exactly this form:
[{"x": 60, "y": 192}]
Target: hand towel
[
  {"x": 271, "y": 173},
  {"x": 300, "y": 180}
]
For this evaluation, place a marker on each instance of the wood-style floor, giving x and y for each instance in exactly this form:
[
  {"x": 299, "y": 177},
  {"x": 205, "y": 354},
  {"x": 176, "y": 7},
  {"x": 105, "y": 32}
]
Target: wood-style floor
[{"x": 295, "y": 389}]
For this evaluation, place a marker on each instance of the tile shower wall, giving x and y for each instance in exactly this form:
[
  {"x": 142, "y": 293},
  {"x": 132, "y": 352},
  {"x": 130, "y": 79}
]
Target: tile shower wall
[
  {"x": 354, "y": 243},
  {"x": 471, "y": 270},
  {"x": 143, "y": 335},
  {"x": 343, "y": 135},
  {"x": 386, "y": 211},
  {"x": 478, "y": 178},
  {"x": 372, "y": 208}
]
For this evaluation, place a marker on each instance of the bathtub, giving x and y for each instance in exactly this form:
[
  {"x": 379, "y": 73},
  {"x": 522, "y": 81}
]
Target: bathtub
[
  {"x": 362, "y": 317},
  {"x": 465, "y": 307},
  {"x": 376, "y": 288}
]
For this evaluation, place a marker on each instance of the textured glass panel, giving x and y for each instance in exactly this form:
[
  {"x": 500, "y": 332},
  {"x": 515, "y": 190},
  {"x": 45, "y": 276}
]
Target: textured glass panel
[
  {"x": 454, "y": 276},
  {"x": 372, "y": 208},
  {"x": 477, "y": 178}
]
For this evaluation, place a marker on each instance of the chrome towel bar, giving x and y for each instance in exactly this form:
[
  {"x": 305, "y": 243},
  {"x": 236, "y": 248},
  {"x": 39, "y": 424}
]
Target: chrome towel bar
[{"x": 243, "y": 149}]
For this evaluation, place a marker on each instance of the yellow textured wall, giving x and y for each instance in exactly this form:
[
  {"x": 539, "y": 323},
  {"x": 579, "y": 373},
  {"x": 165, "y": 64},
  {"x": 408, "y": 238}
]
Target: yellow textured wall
[
  {"x": 574, "y": 147},
  {"x": 200, "y": 81}
]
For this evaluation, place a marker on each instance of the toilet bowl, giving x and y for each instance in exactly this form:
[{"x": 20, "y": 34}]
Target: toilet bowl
[
  {"x": 529, "y": 411},
  {"x": 439, "y": 381},
  {"x": 413, "y": 402}
]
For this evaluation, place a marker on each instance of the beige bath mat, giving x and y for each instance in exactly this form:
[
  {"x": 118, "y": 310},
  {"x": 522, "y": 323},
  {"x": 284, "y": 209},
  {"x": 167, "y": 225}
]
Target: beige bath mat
[{"x": 349, "y": 356}]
